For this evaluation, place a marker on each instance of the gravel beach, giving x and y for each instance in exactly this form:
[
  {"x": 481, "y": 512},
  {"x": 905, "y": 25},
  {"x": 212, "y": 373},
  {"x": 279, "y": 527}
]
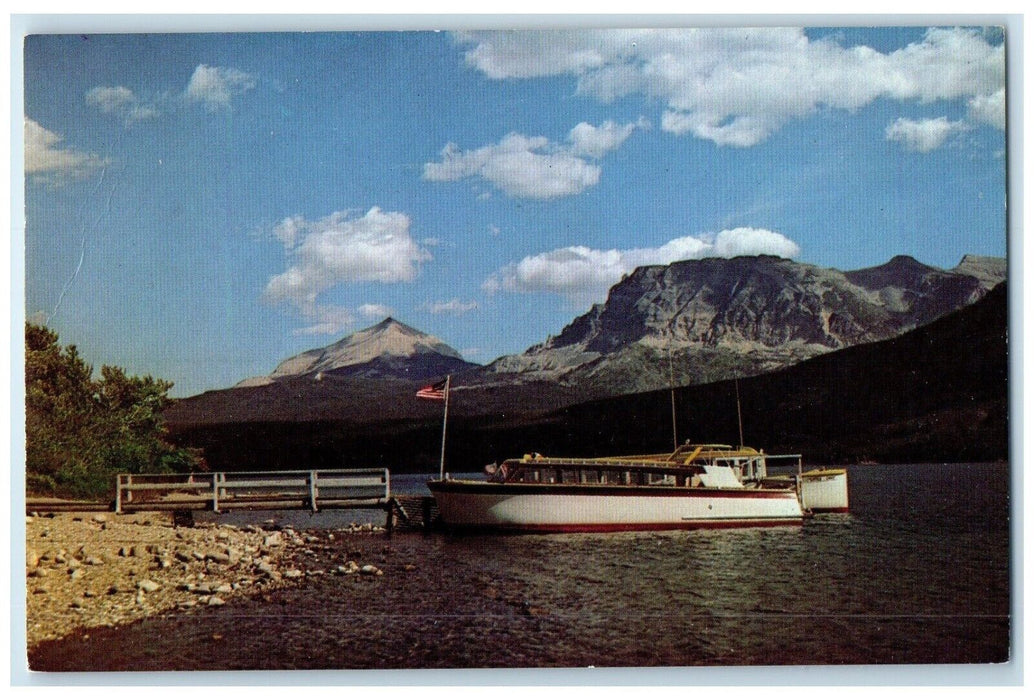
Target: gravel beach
[{"x": 91, "y": 570}]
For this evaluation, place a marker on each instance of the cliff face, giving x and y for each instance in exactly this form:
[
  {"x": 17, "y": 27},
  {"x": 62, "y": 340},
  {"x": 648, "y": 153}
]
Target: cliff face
[{"x": 726, "y": 317}]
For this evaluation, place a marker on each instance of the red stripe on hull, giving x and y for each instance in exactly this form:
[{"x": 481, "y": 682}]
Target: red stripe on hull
[{"x": 621, "y": 527}]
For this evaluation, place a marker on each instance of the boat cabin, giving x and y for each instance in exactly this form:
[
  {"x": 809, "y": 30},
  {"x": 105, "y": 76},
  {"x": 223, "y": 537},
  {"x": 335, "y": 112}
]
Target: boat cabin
[{"x": 690, "y": 465}]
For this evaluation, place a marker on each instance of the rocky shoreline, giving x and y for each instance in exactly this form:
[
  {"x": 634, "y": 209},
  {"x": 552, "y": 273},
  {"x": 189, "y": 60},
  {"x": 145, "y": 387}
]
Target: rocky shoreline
[{"x": 86, "y": 570}]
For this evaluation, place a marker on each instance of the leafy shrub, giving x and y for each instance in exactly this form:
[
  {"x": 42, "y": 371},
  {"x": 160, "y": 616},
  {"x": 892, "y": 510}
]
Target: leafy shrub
[{"x": 80, "y": 431}]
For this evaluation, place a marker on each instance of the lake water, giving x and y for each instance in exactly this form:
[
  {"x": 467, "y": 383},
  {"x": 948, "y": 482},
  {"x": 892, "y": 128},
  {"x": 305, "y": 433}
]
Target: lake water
[{"x": 917, "y": 573}]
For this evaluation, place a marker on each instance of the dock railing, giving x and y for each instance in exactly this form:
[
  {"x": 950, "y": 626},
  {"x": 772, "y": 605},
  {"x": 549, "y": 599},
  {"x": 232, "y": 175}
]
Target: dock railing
[{"x": 313, "y": 489}]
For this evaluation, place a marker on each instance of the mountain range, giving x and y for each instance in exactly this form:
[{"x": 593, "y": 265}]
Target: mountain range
[
  {"x": 689, "y": 322},
  {"x": 938, "y": 393},
  {"x": 704, "y": 320}
]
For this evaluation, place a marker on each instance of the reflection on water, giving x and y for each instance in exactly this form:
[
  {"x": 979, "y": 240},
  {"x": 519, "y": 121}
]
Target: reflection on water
[{"x": 918, "y": 572}]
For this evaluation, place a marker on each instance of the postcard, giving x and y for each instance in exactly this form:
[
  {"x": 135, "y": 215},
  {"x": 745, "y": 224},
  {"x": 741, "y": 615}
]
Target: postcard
[{"x": 671, "y": 347}]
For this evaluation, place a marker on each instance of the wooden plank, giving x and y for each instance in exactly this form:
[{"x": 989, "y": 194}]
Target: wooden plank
[
  {"x": 58, "y": 506},
  {"x": 267, "y": 504},
  {"x": 149, "y": 486},
  {"x": 301, "y": 484}
]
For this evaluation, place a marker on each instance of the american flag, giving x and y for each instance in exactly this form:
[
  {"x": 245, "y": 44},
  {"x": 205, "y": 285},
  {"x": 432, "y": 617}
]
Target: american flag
[{"x": 433, "y": 391}]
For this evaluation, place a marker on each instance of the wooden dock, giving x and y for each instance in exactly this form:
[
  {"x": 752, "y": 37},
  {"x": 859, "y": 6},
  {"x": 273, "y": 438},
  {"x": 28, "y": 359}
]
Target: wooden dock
[{"x": 313, "y": 490}]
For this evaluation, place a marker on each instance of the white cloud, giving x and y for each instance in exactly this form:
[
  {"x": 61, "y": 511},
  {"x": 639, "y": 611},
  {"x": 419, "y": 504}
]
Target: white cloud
[
  {"x": 598, "y": 141},
  {"x": 533, "y": 54},
  {"x": 753, "y": 241},
  {"x": 376, "y": 311},
  {"x": 215, "y": 87},
  {"x": 121, "y": 102},
  {"x": 212, "y": 87},
  {"x": 341, "y": 249},
  {"x": 453, "y": 306},
  {"x": 736, "y": 86},
  {"x": 534, "y": 167},
  {"x": 923, "y": 135},
  {"x": 289, "y": 230},
  {"x": 517, "y": 166},
  {"x": 47, "y": 161},
  {"x": 989, "y": 109},
  {"x": 583, "y": 275}
]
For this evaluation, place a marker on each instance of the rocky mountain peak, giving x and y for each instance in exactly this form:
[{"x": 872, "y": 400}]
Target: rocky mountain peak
[
  {"x": 989, "y": 271},
  {"x": 389, "y": 337},
  {"x": 387, "y": 349},
  {"x": 901, "y": 271},
  {"x": 730, "y": 317},
  {"x": 388, "y": 321},
  {"x": 390, "y": 324}
]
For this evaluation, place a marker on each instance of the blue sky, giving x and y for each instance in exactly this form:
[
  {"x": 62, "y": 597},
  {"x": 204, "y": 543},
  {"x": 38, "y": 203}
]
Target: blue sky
[{"x": 201, "y": 206}]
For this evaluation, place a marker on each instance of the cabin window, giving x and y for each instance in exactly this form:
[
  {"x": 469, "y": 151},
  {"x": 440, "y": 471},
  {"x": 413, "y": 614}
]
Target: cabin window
[{"x": 662, "y": 480}]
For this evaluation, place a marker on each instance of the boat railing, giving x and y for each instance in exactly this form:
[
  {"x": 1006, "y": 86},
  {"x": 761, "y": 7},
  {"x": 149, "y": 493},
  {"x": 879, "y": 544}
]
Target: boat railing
[
  {"x": 606, "y": 462},
  {"x": 599, "y": 475}
]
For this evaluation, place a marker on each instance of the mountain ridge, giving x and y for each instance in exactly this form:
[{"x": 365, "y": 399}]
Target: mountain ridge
[
  {"x": 571, "y": 369},
  {"x": 938, "y": 393},
  {"x": 720, "y": 318}
]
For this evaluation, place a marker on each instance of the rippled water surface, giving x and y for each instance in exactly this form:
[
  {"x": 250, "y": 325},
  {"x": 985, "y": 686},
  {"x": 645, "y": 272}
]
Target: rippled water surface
[{"x": 918, "y": 572}]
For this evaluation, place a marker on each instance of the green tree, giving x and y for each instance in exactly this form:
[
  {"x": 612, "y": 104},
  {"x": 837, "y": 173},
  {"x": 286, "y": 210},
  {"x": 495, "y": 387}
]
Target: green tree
[{"x": 81, "y": 431}]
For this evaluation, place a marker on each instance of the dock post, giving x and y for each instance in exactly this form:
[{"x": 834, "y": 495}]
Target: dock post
[
  {"x": 215, "y": 491},
  {"x": 118, "y": 494},
  {"x": 389, "y": 521},
  {"x": 312, "y": 491}
]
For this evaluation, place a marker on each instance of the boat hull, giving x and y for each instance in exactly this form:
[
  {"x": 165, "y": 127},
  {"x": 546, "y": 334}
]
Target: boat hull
[
  {"x": 825, "y": 491},
  {"x": 592, "y": 508}
]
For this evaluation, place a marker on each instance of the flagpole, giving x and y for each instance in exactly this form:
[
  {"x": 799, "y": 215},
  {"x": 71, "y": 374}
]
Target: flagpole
[
  {"x": 739, "y": 414},
  {"x": 445, "y": 423},
  {"x": 671, "y": 384}
]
